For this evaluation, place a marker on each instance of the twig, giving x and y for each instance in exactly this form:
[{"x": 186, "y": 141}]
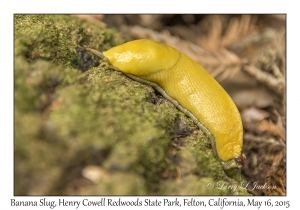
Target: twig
[{"x": 276, "y": 85}]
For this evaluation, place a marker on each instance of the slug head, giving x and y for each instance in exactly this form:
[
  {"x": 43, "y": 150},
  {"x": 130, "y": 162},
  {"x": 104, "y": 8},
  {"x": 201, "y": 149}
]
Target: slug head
[{"x": 142, "y": 57}]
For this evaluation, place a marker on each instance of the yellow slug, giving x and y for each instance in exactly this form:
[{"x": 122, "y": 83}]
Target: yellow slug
[{"x": 189, "y": 87}]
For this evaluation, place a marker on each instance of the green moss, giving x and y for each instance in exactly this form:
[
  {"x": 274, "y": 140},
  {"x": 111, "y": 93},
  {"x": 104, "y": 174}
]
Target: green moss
[
  {"x": 54, "y": 38},
  {"x": 66, "y": 120}
]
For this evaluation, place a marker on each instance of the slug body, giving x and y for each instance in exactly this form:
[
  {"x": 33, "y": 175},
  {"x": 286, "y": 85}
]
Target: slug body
[{"x": 190, "y": 87}]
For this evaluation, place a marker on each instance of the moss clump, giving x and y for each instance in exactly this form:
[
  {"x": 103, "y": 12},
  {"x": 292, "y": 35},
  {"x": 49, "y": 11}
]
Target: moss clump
[
  {"x": 55, "y": 37},
  {"x": 67, "y": 120}
]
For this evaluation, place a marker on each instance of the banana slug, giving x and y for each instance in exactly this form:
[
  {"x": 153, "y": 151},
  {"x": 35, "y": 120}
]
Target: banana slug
[{"x": 189, "y": 87}]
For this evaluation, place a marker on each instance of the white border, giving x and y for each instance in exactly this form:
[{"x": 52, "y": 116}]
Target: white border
[{"x": 153, "y": 6}]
